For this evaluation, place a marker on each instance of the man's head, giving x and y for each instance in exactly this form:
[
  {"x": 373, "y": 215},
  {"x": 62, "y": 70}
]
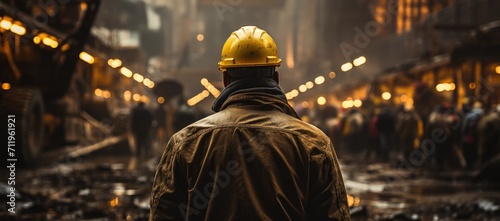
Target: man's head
[{"x": 249, "y": 53}]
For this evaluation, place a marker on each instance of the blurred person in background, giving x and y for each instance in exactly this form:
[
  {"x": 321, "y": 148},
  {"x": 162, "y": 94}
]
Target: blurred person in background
[
  {"x": 439, "y": 130},
  {"x": 141, "y": 124},
  {"x": 373, "y": 147},
  {"x": 353, "y": 132},
  {"x": 386, "y": 123},
  {"x": 409, "y": 128},
  {"x": 489, "y": 136},
  {"x": 470, "y": 135}
]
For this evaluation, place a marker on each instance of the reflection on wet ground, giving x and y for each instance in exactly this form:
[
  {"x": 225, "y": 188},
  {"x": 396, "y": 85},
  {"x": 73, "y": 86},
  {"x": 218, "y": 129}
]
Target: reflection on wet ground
[
  {"x": 387, "y": 192},
  {"x": 113, "y": 185},
  {"x": 110, "y": 185}
]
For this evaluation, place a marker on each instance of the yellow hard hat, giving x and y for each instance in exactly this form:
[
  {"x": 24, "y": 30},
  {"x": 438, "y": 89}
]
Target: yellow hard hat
[{"x": 249, "y": 46}]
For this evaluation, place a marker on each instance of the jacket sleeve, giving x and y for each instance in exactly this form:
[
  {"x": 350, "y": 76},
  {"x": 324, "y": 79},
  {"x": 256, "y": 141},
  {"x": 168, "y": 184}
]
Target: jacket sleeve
[
  {"x": 327, "y": 195},
  {"x": 169, "y": 194}
]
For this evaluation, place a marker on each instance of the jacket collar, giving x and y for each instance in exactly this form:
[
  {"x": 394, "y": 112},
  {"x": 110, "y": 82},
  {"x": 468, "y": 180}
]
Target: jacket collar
[
  {"x": 256, "y": 93},
  {"x": 262, "y": 85},
  {"x": 259, "y": 101}
]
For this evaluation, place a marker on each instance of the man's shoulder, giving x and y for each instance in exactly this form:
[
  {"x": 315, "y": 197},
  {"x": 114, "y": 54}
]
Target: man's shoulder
[{"x": 276, "y": 121}]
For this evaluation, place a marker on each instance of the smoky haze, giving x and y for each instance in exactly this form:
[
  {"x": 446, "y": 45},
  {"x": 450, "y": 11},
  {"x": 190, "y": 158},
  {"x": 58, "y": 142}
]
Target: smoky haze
[{"x": 183, "y": 39}]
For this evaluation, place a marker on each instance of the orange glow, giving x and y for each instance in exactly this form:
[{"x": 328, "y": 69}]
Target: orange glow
[
  {"x": 210, "y": 87},
  {"x": 346, "y": 67},
  {"x": 5, "y": 24},
  {"x": 305, "y": 104},
  {"x": 348, "y": 103},
  {"x": 356, "y": 201},
  {"x": 18, "y": 28},
  {"x": 114, "y": 63},
  {"x": 440, "y": 87},
  {"x": 144, "y": 99},
  {"x": 302, "y": 88},
  {"x": 151, "y": 84},
  {"x": 6, "y": 86},
  {"x": 37, "y": 40},
  {"x": 350, "y": 200},
  {"x": 472, "y": 85},
  {"x": 452, "y": 86},
  {"x": 136, "y": 97},
  {"x": 400, "y": 18},
  {"x": 319, "y": 80},
  {"x": 98, "y": 92},
  {"x": 403, "y": 98},
  {"x": 161, "y": 100},
  {"x": 290, "y": 62},
  {"x": 138, "y": 77},
  {"x": 357, "y": 103},
  {"x": 50, "y": 41},
  {"x": 200, "y": 37},
  {"x": 106, "y": 94},
  {"x": 204, "y": 82},
  {"x": 386, "y": 96},
  {"x": 332, "y": 75},
  {"x": 87, "y": 57},
  {"x": 321, "y": 100},
  {"x": 359, "y": 61},
  {"x": 197, "y": 98},
  {"x": 127, "y": 95},
  {"x": 126, "y": 72},
  {"x": 113, "y": 202},
  {"x": 205, "y": 93},
  {"x": 309, "y": 84}
]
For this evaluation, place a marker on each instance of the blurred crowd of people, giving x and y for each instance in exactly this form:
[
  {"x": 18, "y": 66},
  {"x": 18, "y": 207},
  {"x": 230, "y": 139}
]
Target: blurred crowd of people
[{"x": 448, "y": 137}]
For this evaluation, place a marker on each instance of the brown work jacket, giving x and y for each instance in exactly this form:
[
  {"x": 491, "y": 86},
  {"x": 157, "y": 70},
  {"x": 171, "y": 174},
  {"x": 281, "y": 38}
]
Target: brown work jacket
[{"x": 253, "y": 160}]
